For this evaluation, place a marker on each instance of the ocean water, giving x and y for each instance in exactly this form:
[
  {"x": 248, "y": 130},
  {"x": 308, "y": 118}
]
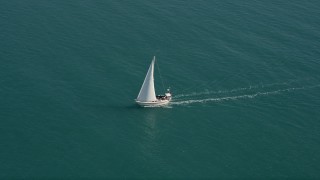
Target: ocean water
[{"x": 245, "y": 77}]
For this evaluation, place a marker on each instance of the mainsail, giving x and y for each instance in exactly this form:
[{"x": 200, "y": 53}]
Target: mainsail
[{"x": 147, "y": 92}]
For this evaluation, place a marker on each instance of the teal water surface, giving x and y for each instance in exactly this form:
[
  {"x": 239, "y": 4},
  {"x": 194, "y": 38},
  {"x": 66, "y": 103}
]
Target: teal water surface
[{"x": 245, "y": 76}]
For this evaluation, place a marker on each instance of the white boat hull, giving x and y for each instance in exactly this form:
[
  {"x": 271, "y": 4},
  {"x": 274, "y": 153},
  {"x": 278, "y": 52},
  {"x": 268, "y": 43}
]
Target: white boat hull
[{"x": 153, "y": 103}]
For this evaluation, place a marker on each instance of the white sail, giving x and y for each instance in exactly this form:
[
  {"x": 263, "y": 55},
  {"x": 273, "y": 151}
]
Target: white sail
[{"x": 147, "y": 92}]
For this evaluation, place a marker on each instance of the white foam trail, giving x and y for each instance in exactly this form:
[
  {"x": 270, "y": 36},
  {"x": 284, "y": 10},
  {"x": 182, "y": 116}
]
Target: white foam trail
[
  {"x": 220, "y": 99},
  {"x": 214, "y": 92},
  {"x": 235, "y": 90},
  {"x": 250, "y": 96}
]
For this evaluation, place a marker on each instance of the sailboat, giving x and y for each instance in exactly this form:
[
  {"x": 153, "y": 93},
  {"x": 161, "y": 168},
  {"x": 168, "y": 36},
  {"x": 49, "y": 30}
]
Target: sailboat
[{"x": 147, "y": 95}]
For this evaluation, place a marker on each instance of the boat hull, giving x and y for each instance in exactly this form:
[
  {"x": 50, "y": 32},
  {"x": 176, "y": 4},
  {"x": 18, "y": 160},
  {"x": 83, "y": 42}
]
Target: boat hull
[{"x": 154, "y": 103}]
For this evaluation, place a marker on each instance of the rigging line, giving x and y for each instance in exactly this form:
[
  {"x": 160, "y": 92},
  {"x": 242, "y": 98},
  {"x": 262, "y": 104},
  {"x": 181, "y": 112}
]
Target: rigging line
[{"x": 161, "y": 77}]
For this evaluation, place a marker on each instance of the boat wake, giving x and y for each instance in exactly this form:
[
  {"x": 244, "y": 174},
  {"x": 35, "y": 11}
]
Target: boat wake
[
  {"x": 259, "y": 86},
  {"x": 180, "y": 101}
]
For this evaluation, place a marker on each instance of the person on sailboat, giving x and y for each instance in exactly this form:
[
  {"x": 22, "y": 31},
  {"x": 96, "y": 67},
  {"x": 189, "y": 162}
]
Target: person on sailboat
[{"x": 168, "y": 94}]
